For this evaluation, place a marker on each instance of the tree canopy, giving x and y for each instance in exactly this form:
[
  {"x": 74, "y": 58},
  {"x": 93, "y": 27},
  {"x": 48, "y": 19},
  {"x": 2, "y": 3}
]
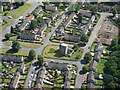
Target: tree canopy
[
  {"x": 88, "y": 57},
  {"x": 40, "y": 59},
  {"x": 32, "y": 54},
  {"x": 15, "y": 46}
]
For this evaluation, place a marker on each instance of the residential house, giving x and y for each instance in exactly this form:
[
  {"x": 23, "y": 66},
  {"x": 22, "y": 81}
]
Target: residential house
[
  {"x": 42, "y": 29},
  {"x": 10, "y": 6},
  {"x": 12, "y": 58},
  {"x": 23, "y": 26},
  {"x": 1, "y": 7},
  {"x": 90, "y": 78},
  {"x": 84, "y": 29},
  {"x": 63, "y": 48},
  {"x": 72, "y": 38},
  {"x": 21, "y": 69},
  {"x": 60, "y": 31},
  {"x": 93, "y": 66},
  {"x": 48, "y": 22},
  {"x": 97, "y": 56},
  {"x": 54, "y": 15},
  {"x": 29, "y": 36},
  {"x": 31, "y": 17},
  {"x": 117, "y": 17},
  {"x": 67, "y": 79},
  {"x": 69, "y": 19},
  {"x": 88, "y": 26},
  {"x": 99, "y": 76},
  {"x": 92, "y": 19},
  {"x": 38, "y": 10},
  {"x": 40, "y": 77},
  {"x": 98, "y": 47},
  {"x": 85, "y": 13},
  {"x": 52, "y": 8},
  {"x": 58, "y": 66},
  {"x": 90, "y": 86},
  {"x": 104, "y": 7},
  {"x": 15, "y": 80}
]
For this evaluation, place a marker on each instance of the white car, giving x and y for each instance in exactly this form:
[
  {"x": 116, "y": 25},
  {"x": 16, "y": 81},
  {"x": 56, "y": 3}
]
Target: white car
[
  {"x": 9, "y": 17},
  {"x": 29, "y": 83}
]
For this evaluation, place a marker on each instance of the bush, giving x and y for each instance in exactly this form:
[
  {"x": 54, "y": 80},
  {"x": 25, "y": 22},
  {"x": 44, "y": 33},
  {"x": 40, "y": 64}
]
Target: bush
[
  {"x": 52, "y": 50},
  {"x": 85, "y": 68},
  {"x": 7, "y": 36}
]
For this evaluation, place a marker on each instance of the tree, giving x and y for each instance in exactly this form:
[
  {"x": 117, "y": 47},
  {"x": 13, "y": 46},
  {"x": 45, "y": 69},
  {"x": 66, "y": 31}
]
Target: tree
[
  {"x": 114, "y": 42},
  {"x": 88, "y": 57},
  {"x": 84, "y": 38},
  {"x": 46, "y": 3},
  {"x": 32, "y": 54},
  {"x": 33, "y": 24},
  {"x": 35, "y": 14},
  {"x": 7, "y": 36},
  {"x": 75, "y": 46},
  {"x": 110, "y": 85},
  {"x": 107, "y": 78},
  {"x": 40, "y": 20},
  {"x": 110, "y": 67},
  {"x": 80, "y": 18},
  {"x": 114, "y": 12},
  {"x": 15, "y": 46},
  {"x": 22, "y": 20},
  {"x": 5, "y": 8},
  {"x": 94, "y": 9},
  {"x": 119, "y": 40},
  {"x": 12, "y": 29},
  {"x": 85, "y": 68},
  {"x": 41, "y": 59},
  {"x": 56, "y": 74}
]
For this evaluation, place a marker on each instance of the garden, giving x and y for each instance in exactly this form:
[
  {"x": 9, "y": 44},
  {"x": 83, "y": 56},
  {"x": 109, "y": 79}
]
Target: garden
[
  {"x": 52, "y": 51},
  {"x": 56, "y": 78}
]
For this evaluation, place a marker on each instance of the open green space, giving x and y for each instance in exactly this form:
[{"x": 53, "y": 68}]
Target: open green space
[
  {"x": 52, "y": 51},
  {"x": 100, "y": 82},
  {"x": 17, "y": 13},
  {"x": 100, "y": 66},
  {"x": 20, "y": 52},
  {"x": 23, "y": 44}
]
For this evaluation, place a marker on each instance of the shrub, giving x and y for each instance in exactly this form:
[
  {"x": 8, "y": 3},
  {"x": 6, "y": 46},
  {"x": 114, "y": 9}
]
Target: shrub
[{"x": 52, "y": 50}]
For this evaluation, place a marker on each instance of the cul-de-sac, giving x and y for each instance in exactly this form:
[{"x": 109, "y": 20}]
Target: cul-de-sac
[{"x": 60, "y": 44}]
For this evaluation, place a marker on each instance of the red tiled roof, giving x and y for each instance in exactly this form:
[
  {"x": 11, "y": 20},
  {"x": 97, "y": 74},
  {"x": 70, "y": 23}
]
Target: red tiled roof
[
  {"x": 30, "y": 17},
  {"x": 53, "y": 7},
  {"x": 84, "y": 11}
]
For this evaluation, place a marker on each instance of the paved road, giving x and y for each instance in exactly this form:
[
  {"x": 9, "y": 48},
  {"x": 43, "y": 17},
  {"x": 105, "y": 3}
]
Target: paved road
[{"x": 93, "y": 35}]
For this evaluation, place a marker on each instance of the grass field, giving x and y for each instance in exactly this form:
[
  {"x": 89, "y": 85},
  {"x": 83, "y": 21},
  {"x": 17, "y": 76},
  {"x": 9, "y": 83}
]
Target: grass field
[
  {"x": 4, "y": 26},
  {"x": 100, "y": 66},
  {"x": 23, "y": 44},
  {"x": 54, "y": 53},
  {"x": 17, "y": 13},
  {"x": 21, "y": 52}
]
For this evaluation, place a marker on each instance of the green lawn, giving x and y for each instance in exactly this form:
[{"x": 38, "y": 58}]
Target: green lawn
[
  {"x": 23, "y": 44},
  {"x": 21, "y": 52},
  {"x": 100, "y": 82},
  {"x": 4, "y": 26},
  {"x": 57, "y": 55},
  {"x": 19, "y": 12},
  {"x": 101, "y": 66}
]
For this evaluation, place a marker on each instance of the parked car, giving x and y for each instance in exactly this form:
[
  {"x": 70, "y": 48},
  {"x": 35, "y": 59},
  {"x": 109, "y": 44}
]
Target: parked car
[
  {"x": 9, "y": 17},
  {"x": 42, "y": 43},
  {"x": 29, "y": 83}
]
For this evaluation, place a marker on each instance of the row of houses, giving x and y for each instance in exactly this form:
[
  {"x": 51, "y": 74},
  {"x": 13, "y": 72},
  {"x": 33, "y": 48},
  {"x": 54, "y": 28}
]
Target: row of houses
[
  {"x": 36, "y": 34},
  {"x": 15, "y": 79},
  {"x": 12, "y": 58},
  {"x": 88, "y": 26},
  {"x": 92, "y": 68}
]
